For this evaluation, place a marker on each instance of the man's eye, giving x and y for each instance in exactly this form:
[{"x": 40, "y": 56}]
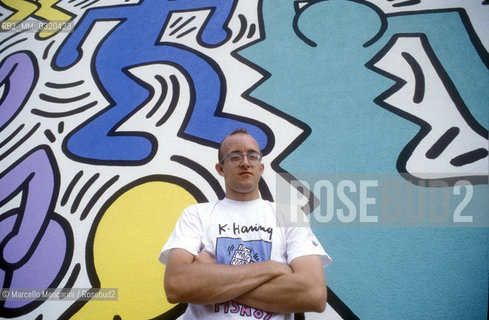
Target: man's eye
[
  {"x": 253, "y": 157},
  {"x": 234, "y": 157}
]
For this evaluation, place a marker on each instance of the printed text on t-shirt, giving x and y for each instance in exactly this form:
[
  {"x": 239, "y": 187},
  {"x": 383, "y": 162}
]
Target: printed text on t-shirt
[
  {"x": 243, "y": 310},
  {"x": 238, "y": 229}
]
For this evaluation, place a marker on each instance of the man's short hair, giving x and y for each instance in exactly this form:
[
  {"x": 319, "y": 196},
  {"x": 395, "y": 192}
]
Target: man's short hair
[{"x": 237, "y": 131}]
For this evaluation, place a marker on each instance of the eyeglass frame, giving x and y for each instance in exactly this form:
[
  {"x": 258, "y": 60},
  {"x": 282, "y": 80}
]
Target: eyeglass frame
[{"x": 242, "y": 155}]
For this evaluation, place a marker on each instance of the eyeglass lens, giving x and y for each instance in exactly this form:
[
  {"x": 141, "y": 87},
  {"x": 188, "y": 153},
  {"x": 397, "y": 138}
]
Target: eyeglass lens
[{"x": 236, "y": 157}]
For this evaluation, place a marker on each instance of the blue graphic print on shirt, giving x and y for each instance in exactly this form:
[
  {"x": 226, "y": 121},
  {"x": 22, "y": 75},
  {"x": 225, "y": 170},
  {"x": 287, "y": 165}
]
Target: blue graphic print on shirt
[{"x": 235, "y": 251}]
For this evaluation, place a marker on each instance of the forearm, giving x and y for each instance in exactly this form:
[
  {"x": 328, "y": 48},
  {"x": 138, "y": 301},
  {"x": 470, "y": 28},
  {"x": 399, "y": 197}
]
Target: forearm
[
  {"x": 285, "y": 294},
  {"x": 203, "y": 283}
]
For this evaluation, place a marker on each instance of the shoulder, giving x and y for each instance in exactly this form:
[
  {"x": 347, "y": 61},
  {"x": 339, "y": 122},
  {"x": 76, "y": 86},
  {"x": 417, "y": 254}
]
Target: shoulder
[
  {"x": 200, "y": 209},
  {"x": 268, "y": 205},
  {"x": 201, "y": 206}
]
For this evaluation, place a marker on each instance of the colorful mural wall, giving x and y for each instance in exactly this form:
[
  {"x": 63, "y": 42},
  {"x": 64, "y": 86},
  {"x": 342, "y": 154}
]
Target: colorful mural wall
[{"x": 373, "y": 113}]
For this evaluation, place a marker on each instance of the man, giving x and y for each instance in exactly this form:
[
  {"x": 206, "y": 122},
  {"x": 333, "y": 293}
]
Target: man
[{"x": 229, "y": 259}]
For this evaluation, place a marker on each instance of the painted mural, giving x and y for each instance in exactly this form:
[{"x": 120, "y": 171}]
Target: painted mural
[{"x": 111, "y": 112}]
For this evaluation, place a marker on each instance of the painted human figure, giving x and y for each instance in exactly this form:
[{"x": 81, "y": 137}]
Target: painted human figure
[{"x": 135, "y": 41}]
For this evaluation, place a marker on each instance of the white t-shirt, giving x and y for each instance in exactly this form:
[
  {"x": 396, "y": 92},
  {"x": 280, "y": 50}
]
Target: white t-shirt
[{"x": 234, "y": 233}]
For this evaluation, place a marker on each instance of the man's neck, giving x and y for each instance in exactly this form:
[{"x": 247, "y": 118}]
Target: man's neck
[{"x": 236, "y": 196}]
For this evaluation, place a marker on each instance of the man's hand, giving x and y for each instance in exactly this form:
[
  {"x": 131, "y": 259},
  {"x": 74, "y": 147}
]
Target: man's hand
[
  {"x": 268, "y": 285},
  {"x": 301, "y": 290},
  {"x": 281, "y": 268},
  {"x": 198, "y": 279}
]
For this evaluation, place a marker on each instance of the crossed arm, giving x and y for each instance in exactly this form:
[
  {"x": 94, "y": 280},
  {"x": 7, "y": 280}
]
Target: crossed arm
[{"x": 269, "y": 285}]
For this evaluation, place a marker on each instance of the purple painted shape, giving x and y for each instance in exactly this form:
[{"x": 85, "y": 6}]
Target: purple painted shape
[
  {"x": 36, "y": 170},
  {"x": 6, "y": 225},
  {"x": 43, "y": 267},
  {"x": 33, "y": 256},
  {"x": 19, "y": 72}
]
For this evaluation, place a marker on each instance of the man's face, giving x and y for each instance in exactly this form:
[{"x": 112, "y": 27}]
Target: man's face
[{"x": 242, "y": 178}]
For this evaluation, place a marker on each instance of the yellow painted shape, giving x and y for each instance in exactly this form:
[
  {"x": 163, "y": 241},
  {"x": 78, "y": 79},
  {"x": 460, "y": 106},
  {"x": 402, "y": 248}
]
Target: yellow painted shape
[
  {"x": 22, "y": 10},
  {"x": 55, "y": 17},
  {"x": 127, "y": 244}
]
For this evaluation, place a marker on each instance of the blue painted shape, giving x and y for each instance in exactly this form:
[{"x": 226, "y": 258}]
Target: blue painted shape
[
  {"x": 380, "y": 273},
  {"x": 330, "y": 90},
  {"x": 134, "y": 41}
]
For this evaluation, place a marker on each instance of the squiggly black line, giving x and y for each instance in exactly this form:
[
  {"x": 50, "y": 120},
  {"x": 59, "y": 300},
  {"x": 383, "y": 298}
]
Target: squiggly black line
[
  {"x": 419, "y": 81},
  {"x": 173, "y": 102},
  {"x": 64, "y": 85},
  {"x": 83, "y": 191},
  {"x": 182, "y": 26},
  {"x": 439, "y": 146},
  {"x": 11, "y": 136},
  {"x": 70, "y": 187},
  {"x": 46, "y": 114},
  {"x": 164, "y": 91},
  {"x": 49, "y": 98},
  {"x": 21, "y": 141},
  {"x": 242, "y": 29},
  {"x": 97, "y": 196}
]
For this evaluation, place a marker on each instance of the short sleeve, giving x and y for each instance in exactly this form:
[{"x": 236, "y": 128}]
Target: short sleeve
[
  {"x": 301, "y": 241},
  {"x": 186, "y": 235}
]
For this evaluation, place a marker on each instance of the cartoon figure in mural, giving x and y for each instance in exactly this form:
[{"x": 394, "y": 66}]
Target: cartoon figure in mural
[
  {"x": 135, "y": 41},
  {"x": 340, "y": 67},
  {"x": 349, "y": 54},
  {"x": 35, "y": 243},
  {"x": 440, "y": 146},
  {"x": 232, "y": 249},
  {"x": 424, "y": 92}
]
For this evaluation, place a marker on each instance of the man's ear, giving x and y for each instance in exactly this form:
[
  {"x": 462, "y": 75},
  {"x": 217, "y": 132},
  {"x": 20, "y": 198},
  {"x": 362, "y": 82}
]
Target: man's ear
[{"x": 219, "y": 169}]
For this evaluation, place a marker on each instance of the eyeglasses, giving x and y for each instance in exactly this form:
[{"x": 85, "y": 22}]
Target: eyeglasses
[{"x": 235, "y": 158}]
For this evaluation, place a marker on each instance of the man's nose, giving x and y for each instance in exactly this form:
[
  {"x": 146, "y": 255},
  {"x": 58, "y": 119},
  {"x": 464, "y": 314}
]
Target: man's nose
[{"x": 244, "y": 161}]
